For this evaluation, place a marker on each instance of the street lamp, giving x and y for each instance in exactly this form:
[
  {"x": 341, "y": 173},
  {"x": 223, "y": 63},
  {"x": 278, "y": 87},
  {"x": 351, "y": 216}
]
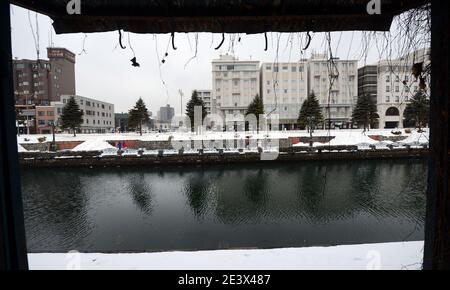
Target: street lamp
[
  {"x": 311, "y": 127},
  {"x": 54, "y": 124}
]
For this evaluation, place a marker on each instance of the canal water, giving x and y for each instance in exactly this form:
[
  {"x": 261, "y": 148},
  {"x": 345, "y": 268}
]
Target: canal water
[{"x": 224, "y": 207}]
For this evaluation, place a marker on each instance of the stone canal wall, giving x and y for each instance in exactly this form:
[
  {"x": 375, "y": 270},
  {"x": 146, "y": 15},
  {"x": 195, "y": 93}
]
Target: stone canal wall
[{"x": 93, "y": 159}]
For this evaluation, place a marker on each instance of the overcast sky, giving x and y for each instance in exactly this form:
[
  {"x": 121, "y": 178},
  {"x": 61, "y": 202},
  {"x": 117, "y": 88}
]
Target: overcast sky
[{"x": 104, "y": 70}]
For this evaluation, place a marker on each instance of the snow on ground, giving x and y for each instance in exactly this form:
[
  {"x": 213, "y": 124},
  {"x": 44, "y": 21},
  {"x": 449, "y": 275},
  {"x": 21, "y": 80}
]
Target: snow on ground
[
  {"x": 93, "y": 145},
  {"x": 392, "y": 256},
  {"x": 417, "y": 139},
  {"x": 20, "y": 149},
  {"x": 341, "y": 137}
]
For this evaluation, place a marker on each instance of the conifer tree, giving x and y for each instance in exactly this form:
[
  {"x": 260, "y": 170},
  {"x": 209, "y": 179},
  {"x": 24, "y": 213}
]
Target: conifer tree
[
  {"x": 72, "y": 116},
  {"x": 256, "y": 108},
  {"x": 310, "y": 109},
  {"x": 417, "y": 111},
  {"x": 138, "y": 115},
  {"x": 365, "y": 112},
  {"x": 190, "y": 108}
]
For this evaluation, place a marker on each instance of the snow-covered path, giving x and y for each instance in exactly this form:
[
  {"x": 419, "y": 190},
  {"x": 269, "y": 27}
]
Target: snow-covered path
[{"x": 391, "y": 256}]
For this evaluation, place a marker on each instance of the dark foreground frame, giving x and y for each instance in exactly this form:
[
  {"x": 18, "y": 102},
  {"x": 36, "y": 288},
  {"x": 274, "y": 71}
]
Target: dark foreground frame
[{"x": 13, "y": 254}]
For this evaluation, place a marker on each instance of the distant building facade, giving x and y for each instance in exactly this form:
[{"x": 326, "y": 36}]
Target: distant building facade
[
  {"x": 98, "y": 116},
  {"x": 396, "y": 87},
  {"x": 121, "y": 122},
  {"x": 164, "y": 118},
  {"x": 284, "y": 88},
  {"x": 367, "y": 81},
  {"x": 392, "y": 85},
  {"x": 206, "y": 96},
  {"x": 45, "y": 119},
  {"x": 41, "y": 82},
  {"x": 335, "y": 86},
  {"x": 235, "y": 84},
  {"x": 166, "y": 114}
]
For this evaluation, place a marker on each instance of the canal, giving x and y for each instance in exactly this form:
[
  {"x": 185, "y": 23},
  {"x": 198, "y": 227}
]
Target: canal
[{"x": 224, "y": 207}]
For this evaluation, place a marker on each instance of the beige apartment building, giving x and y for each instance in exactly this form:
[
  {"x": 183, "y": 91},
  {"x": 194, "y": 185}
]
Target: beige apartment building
[
  {"x": 235, "y": 84},
  {"x": 335, "y": 85},
  {"x": 284, "y": 88},
  {"x": 396, "y": 86},
  {"x": 98, "y": 116}
]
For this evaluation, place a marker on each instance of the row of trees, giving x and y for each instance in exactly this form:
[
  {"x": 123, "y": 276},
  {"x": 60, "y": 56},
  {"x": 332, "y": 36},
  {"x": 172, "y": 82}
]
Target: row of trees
[{"x": 364, "y": 114}]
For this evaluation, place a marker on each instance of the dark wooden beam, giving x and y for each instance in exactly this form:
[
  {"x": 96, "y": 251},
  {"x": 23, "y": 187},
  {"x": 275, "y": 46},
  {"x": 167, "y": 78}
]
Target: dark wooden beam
[
  {"x": 219, "y": 16},
  {"x": 437, "y": 227},
  {"x": 13, "y": 253}
]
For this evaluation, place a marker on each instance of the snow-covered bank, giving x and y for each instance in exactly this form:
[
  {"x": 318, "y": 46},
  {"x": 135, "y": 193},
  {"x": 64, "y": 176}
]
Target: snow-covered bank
[
  {"x": 99, "y": 142},
  {"x": 391, "y": 256}
]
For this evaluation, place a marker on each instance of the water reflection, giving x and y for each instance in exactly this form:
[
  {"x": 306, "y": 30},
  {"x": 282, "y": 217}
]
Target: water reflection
[
  {"x": 141, "y": 193},
  {"x": 267, "y": 205}
]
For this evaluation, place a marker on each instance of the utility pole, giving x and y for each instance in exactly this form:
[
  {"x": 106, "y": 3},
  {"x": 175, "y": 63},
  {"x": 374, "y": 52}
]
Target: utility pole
[{"x": 181, "y": 98}]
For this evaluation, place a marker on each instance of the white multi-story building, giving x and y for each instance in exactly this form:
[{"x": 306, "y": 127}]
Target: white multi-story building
[
  {"x": 336, "y": 87},
  {"x": 98, "y": 116},
  {"x": 396, "y": 86},
  {"x": 235, "y": 84},
  {"x": 206, "y": 96},
  {"x": 284, "y": 88}
]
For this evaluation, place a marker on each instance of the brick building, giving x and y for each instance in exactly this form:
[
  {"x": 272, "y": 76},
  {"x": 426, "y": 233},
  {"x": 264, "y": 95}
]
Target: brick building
[{"x": 41, "y": 81}]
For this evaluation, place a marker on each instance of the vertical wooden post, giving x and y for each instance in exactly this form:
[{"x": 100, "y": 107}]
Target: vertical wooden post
[
  {"x": 13, "y": 254},
  {"x": 437, "y": 227}
]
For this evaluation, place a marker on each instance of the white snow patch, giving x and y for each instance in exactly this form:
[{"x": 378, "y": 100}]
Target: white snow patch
[
  {"x": 392, "y": 256},
  {"x": 93, "y": 145},
  {"x": 417, "y": 139},
  {"x": 20, "y": 148}
]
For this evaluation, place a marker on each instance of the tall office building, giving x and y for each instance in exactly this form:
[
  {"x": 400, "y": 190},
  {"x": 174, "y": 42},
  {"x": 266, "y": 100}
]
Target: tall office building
[
  {"x": 166, "y": 114},
  {"x": 284, "y": 88},
  {"x": 335, "y": 85},
  {"x": 367, "y": 81},
  {"x": 40, "y": 82},
  {"x": 235, "y": 84}
]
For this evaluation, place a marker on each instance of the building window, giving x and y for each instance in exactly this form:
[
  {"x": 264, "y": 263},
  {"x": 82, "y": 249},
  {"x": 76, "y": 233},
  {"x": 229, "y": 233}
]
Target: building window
[
  {"x": 388, "y": 89},
  {"x": 293, "y": 69},
  {"x": 388, "y": 79},
  {"x": 397, "y": 99},
  {"x": 388, "y": 99},
  {"x": 393, "y": 112},
  {"x": 269, "y": 67}
]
